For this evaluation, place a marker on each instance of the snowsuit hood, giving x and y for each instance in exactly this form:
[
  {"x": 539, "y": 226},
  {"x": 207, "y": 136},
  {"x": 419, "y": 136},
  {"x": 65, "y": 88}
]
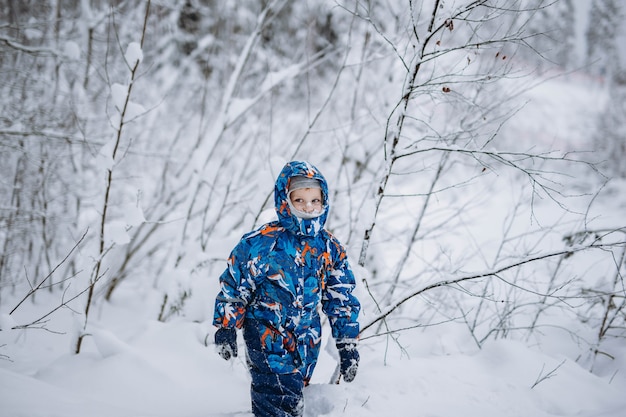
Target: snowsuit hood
[{"x": 288, "y": 220}]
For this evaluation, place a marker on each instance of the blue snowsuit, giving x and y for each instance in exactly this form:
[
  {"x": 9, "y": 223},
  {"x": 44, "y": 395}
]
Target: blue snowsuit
[{"x": 276, "y": 278}]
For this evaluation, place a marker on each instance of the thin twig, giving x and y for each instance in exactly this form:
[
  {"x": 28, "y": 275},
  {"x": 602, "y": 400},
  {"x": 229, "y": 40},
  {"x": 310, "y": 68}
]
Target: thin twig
[
  {"x": 541, "y": 377},
  {"x": 33, "y": 290}
]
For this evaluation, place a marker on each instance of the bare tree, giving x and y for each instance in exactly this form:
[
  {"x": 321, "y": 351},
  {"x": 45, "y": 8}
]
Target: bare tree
[
  {"x": 458, "y": 64},
  {"x": 127, "y": 110},
  {"x": 406, "y": 107},
  {"x": 36, "y": 131}
]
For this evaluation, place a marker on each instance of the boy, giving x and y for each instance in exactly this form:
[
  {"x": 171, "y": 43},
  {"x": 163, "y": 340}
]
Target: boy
[{"x": 276, "y": 277}]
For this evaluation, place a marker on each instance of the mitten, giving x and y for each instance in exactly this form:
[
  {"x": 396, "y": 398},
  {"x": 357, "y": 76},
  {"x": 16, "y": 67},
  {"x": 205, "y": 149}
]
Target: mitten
[
  {"x": 226, "y": 342},
  {"x": 349, "y": 359}
]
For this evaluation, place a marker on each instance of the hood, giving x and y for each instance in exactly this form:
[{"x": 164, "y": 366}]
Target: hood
[{"x": 296, "y": 225}]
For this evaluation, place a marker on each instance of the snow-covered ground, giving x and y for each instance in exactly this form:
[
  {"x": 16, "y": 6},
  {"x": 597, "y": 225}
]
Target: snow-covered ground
[{"x": 141, "y": 368}]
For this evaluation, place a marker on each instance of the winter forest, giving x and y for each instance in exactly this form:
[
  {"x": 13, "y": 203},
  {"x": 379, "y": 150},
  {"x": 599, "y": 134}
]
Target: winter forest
[{"x": 474, "y": 151}]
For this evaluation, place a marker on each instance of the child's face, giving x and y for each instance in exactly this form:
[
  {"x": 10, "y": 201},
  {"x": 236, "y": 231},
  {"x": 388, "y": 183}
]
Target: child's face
[{"x": 308, "y": 200}]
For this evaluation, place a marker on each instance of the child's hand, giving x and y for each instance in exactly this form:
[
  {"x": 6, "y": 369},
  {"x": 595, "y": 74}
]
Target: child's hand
[
  {"x": 349, "y": 360},
  {"x": 226, "y": 342}
]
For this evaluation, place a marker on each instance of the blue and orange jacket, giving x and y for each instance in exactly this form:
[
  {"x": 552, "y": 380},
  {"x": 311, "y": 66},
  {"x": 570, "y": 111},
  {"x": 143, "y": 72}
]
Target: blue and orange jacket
[{"x": 279, "y": 274}]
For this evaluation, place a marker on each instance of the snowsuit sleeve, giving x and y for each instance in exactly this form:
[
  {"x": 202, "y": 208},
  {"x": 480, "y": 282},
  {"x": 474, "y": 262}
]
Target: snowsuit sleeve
[
  {"x": 236, "y": 287},
  {"x": 338, "y": 302}
]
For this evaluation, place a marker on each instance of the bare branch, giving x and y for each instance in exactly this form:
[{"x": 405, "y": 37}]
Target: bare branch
[
  {"x": 493, "y": 273},
  {"x": 43, "y": 281},
  {"x": 541, "y": 377},
  {"x": 29, "y": 49}
]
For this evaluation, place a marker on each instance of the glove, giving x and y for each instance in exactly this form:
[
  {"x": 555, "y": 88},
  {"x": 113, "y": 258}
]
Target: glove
[
  {"x": 349, "y": 359},
  {"x": 226, "y": 342}
]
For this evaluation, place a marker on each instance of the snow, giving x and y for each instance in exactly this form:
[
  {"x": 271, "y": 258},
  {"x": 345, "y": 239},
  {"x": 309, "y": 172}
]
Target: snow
[
  {"x": 134, "y": 54},
  {"x": 6, "y": 321},
  {"x": 116, "y": 232},
  {"x": 141, "y": 367},
  {"x": 104, "y": 159},
  {"x": 119, "y": 93},
  {"x": 277, "y": 77},
  {"x": 133, "y": 215},
  {"x": 147, "y": 368},
  {"x": 133, "y": 365},
  {"x": 71, "y": 50},
  {"x": 238, "y": 107}
]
